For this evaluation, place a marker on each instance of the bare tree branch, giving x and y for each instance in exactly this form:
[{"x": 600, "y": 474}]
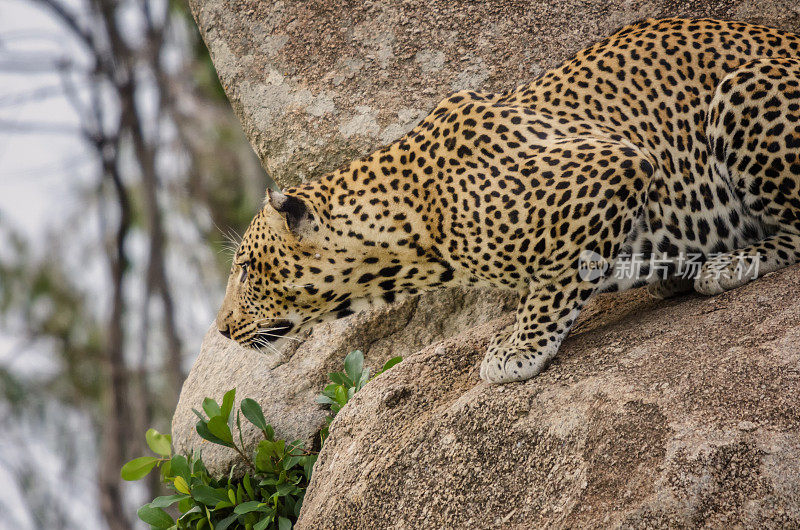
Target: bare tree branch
[
  {"x": 29, "y": 96},
  {"x": 30, "y": 127},
  {"x": 70, "y": 20},
  {"x": 117, "y": 425}
]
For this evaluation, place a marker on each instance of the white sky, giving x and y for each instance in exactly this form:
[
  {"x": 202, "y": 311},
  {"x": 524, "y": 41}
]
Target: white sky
[{"x": 37, "y": 170}]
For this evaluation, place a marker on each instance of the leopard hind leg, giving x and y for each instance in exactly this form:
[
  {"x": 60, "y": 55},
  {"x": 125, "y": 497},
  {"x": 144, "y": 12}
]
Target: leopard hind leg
[{"x": 753, "y": 131}]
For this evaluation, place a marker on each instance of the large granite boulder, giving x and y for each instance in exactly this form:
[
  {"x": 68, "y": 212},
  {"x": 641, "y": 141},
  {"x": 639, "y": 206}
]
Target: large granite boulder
[
  {"x": 677, "y": 414},
  {"x": 316, "y": 84}
]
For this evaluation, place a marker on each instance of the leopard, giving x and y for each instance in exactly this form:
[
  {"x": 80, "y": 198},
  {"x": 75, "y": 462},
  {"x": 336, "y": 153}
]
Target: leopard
[{"x": 670, "y": 138}]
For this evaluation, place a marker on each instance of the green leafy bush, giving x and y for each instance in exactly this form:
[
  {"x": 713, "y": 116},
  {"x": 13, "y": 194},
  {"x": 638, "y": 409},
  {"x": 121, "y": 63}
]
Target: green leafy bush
[
  {"x": 270, "y": 493},
  {"x": 345, "y": 384}
]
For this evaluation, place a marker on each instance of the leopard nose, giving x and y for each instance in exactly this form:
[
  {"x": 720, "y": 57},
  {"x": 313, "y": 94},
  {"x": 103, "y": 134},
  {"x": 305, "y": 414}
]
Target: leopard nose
[{"x": 225, "y": 332}]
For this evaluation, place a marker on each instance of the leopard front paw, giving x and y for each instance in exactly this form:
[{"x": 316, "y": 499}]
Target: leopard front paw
[{"x": 506, "y": 362}]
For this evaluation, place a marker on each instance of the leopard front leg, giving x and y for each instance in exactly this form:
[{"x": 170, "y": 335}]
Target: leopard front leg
[
  {"x": 544, "y": 317},
  {"x": 607, "y": 202}
]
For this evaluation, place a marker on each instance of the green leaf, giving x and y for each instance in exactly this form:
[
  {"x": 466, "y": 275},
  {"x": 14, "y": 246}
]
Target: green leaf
[
  {"x": 391, "y": 362},
  {"x": 160, "y": 444},
  {"x": 186, "y": 505},
  {"x": 330, "y": 390},
  {"x": 280, "y": 448},
  {"x": 155, "y": 517},
  {"x": 308, "y": 465},
  {"x": 211, "y": 407},
  {"x": 292, "y": 461},
  {"x": 252, "y": 411},
  {"x": 208, "y": 495},
  {"x": 341, "y": 396},
  {"x": 181, "y": 485},
  {"x": 248, "y": 486},
  {"x": 197, "y": 413},
  {"x": 225, "y": 523},
  {"x": 298, "y": 505},
  {"x": 295, "y": 447},
  {"x": 354, "y": 364},
  {"x": 138, "y": 467},
  {"x": 197, "y": 466},
  {"x": 166, "y": 471},
  {"x": 204, "y": 432},
  {"x": 339, "y": 378},
  {"x": 219, "y": 428},
  {"x": 180, "y": 467},
  {"x": 364, "y": 379},
  {"x": 240, "y": 493},
  {"x": 239, "y": 428},
  {"x": 284, "y": 523},
  {"x": 325, "y": 400},
  {"x": 247, "y": 507},
  {"x": 227, "y": 403},
  {"x": 263, "y": 523},
  {"x": 284, "y": 489},
  {"x": 265, "y": 451},
  {"x": 166, "y": 500}
]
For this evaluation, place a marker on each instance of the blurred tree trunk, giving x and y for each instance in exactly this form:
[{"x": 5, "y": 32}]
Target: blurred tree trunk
[
  {"x": 127, "y": 387},
  {"x": 124, "y": 44},
  {"x": 117, "y": 433}
]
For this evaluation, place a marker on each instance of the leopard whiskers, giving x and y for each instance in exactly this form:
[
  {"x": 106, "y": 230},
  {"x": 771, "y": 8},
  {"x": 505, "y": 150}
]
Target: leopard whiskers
[
  {"x": 228, "y": 248},
  {"x": 232, "y": 240},
  {"x": 233, "y": 237},
  {"x": 256, "y": 342},
  {"x": 264, "y": 332}
]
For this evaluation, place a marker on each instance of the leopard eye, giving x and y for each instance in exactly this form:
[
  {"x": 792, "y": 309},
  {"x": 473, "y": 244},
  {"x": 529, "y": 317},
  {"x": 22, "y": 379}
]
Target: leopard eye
[{"x": 245, "y": 266}]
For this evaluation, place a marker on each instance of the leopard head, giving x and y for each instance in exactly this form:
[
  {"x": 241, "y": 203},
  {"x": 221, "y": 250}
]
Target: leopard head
[
  {"x": 270, "y": 291},
  {"x": 298, "y": 264}
]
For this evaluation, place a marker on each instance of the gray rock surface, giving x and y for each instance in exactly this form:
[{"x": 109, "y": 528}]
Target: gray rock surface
[
  {"x": 287, "y": 384},
  {"x": 655, "y": 414},
  {"x": 676, "y": 414},
  {"x": 319, "y": 83}
]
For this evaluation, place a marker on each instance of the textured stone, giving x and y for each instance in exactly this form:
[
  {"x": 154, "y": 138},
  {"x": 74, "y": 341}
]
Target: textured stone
[
  {"x": 676, "y": 414},
  {"x": 287, "y": 383},
  {"x": 319, "y": 83},
  {"x": 655, "y": 414}
]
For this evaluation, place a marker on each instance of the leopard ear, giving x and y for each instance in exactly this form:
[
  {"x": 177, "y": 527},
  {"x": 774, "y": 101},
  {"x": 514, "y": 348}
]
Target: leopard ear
[{"x": 299, "y": 219}]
